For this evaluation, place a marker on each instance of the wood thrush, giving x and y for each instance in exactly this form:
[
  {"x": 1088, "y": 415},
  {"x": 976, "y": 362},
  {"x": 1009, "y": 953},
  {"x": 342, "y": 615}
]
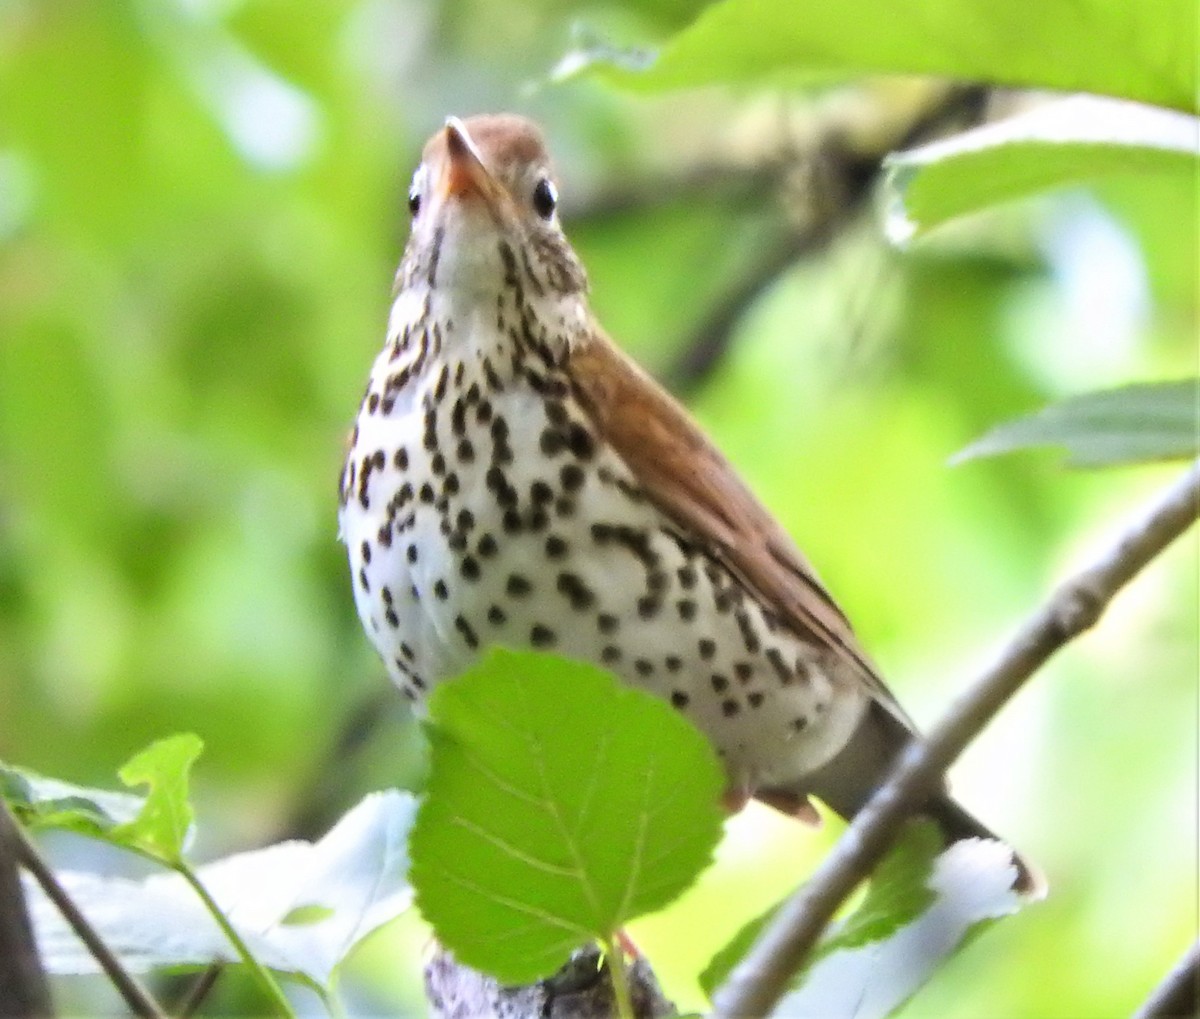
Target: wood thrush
[{"x": 514, "y": 478}]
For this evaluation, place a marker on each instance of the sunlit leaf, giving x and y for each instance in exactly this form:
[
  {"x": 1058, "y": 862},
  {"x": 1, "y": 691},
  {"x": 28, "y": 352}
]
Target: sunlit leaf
[
  {"x": 1136, "y": 51},
  {"x": 923, "y": 904},
  {"x": 162, "y": 827},
  {"x": 591, "y": 49},
  {"x": 157, "y": 824},
  {"x": 307, "y": 914},
  {"x": 1064, "y": 142},
  {"x": 1140, "y": 423},
  {"x": 969, "y": 888},
  {"x": 301, "y": 907},
  {"x": 560, "y": 805},
  {"x": 41, "y": 802},
  {"x": 896, "y": 895}
]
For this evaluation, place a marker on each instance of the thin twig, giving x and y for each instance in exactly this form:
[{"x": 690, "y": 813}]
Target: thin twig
[
  {"x": 199, "y": 989},
  {"x": 1178, "y": 996},
  {"x": 760, "y": 979},
  {"x": 24, "y": 993},
  {"x": 136, "y": 996}
]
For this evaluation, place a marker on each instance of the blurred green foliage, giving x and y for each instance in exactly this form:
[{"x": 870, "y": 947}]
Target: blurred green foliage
[{"x": 201, "y": 208}]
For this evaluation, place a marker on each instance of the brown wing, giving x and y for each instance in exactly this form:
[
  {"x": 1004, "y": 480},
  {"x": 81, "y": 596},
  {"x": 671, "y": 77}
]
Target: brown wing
[{"x": 695, "y": 486}]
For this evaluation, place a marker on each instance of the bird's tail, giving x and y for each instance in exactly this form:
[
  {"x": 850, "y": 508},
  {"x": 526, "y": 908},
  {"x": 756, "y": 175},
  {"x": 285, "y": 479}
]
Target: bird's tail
[
  {"x": 847, "y": 781},
  {"x": 958, "y": 824}
]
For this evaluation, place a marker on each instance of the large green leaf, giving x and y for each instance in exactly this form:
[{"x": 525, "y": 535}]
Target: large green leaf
[
  {"x": 1141, "y": 423},
  {"x": 1136, "y": 51},
  {"x": 560, "y": 805},
  {"x": 1062, "y": 142}
]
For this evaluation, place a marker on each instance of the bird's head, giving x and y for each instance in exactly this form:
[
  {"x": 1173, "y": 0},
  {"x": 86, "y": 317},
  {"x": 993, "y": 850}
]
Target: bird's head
[{"x": 484, "y": 206}]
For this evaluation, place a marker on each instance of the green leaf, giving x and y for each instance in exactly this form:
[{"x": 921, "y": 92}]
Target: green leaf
[
  {"x": 161, "y": 828},
  {"x": 560, "y": 805},
  {"x": 40, "y": 802},
  {"x": 301, "y": 907},
  {"x": 306, "y": 914},
  {"x": 872, "y": 971},
  {"x": 1063, "y": 142},
  {"x": 156, "y": 825},
  {"x": 1140, "y": 423},
  {"x": 896, "y": 895},
  {"x": 734, "y": 950},
  {"x": 923, "y": 904},
  {"x": 1135, "y": 51}
]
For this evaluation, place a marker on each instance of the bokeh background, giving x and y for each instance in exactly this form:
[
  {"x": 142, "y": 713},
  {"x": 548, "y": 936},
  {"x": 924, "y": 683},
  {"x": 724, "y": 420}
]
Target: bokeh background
[{"x": 202, "y": 203}]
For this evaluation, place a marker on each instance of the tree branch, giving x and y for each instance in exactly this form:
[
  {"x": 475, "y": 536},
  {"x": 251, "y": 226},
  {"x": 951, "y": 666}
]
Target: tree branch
[
  {"x": 23, "y": 990},
  {"x": 1178, "y": 996},
  {"x": 198, "y": 990},
  {"x": 580, "y": 990},
  {"x": 760, "y": 979},
  {"x": 136, "y": 996}
]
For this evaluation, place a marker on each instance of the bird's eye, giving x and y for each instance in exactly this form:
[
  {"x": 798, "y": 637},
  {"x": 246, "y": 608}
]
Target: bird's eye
[
  {"x": 414, "y": 200},
  {"x": 545, "y": 198}
]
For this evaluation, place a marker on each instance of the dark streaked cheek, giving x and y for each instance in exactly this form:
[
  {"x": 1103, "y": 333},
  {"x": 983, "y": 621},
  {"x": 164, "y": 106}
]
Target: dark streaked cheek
[{"x": 560, "y": 267}]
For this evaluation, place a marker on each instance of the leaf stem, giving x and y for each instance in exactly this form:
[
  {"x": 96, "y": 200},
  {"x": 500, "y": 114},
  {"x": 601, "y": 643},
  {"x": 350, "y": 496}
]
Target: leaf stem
[
  {"x": 620, "y": 981},
  {"x": 261, "y": 974}
]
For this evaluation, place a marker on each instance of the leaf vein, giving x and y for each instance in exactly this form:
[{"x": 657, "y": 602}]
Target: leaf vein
[
  {"x": 515, "y": 851},
  {"x": 524, "y": 908}
]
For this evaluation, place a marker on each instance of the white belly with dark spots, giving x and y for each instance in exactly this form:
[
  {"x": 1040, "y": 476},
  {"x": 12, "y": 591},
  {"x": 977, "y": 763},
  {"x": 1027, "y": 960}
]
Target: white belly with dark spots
[{"x": 485, "y": 518}]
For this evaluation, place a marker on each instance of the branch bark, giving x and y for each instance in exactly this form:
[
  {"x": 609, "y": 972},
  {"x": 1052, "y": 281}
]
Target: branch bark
[
  {"x": 1178, "y": 996},
  {"x": 760, "y": 979},
  {"x": 198, "y": 990},
  {"x": 580, "y": 990},
  {"x": 24, "y": 993}
]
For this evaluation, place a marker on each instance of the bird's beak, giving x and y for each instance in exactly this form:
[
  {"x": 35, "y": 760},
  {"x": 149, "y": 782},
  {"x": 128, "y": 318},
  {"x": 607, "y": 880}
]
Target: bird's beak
[{"x": 465, "y": 173}]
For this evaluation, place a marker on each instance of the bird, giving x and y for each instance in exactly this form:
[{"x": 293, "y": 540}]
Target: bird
[{"x": 514, "y": 478}]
